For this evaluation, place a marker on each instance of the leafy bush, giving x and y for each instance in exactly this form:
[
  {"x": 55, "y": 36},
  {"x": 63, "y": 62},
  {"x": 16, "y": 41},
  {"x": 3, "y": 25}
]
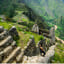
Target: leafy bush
[
  {"x": 10, "y": 26},
  {"x": 25, "y": 32},
  {"x": 30, "y": 25},
  {"x": 41, "y": 38},
  {"x": 23, "y": 23},
  {"x": 31, "y": 37},
  {"x": 20, "y": 29},
  {"x": 23, "y": 19},
  {"x": 16, "y": 38},
  {"x": 59, "y": 54},
  {"x": 0, "y": 18}
]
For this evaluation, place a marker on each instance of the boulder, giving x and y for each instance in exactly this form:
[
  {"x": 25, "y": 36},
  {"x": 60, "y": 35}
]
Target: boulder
[
  {"x": 35, "y": 28},
  {"x": 13, "y": 32},
  {"x": 1, "y": 29},
  {"x": 52, "y": 34}
]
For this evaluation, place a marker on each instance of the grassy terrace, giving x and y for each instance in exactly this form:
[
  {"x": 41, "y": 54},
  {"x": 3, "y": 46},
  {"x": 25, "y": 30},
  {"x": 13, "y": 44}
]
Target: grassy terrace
[{"x": 24, "y": 35}]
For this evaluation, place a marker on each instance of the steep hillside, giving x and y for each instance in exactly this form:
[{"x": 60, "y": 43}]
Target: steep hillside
[
  {"x": 7, "y": 7},
  {"x": 49, "y": 9},
  {"x": 60, "y": 23}
]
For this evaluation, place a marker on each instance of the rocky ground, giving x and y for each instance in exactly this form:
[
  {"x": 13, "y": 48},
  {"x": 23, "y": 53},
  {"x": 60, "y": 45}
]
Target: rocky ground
[{"x": 39, "y": 58}]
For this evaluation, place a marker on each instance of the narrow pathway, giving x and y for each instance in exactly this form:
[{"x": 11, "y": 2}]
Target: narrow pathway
[
  {"x": 62, "y": 41},
  {"x": 39, "y": 58}
]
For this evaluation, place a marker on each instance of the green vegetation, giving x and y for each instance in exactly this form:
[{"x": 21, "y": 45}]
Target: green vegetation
[
  {"x": 59, "y": 54},
  {"x": 60, "y": 24},
  {"x": 26, "y": 15},
  {"x": 8, "y": 7},
  {"x": 24, "y": 35},
  {"x": 6, "y": 25},
  {"x": 36, "y": 36},
  {"x": 48, "y": 9}
]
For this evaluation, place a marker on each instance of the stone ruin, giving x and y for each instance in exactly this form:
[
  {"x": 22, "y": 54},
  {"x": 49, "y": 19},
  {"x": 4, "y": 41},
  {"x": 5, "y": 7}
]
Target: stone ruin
[
  {"x": 10, "y": 52},
  {"x": 52, "y": 34},
  {"x": 2, "y": 18},
  {"x": 48, "y": 34},
  {"x": 30, "y": 49},
  {"x": 13, "y": 32},
  {"x": 35, "y": 28}
]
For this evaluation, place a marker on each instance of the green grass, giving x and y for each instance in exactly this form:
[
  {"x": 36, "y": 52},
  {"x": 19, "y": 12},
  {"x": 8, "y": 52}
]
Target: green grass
[
  {"x": 20, "y": 17},
  {"x": 6, "y": 25},
  {"x": 25, "y": 19},
  {"x": 24, "y": 36},
  {"x": 36, "y": 36},
  {"x": 59, "y": 54}
]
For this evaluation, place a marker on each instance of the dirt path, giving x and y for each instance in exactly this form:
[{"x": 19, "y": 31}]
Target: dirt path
[
  {"x": 39, "y": 58},
  {"x": 56, "y": 27},
  {"x": 62, "y": 41}
]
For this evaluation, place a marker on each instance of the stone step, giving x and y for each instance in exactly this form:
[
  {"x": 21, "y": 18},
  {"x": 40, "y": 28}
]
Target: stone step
[
  {"x": 3, "y": 35},
  {"x": 14, "y": 62},
  {"x": 6, "y": 41},
  {"x": 6, "y": 52},
  {"x": 1, "y": 56},
  {"x": 19, "y": 58},
  {"x": 13, "y": 43},
  {"x": 12, "y": 55}
]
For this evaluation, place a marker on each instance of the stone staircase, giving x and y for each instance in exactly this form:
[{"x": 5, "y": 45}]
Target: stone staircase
[
  {"x": 9, "y": 52},
  {"x": 40, "y": 59}
]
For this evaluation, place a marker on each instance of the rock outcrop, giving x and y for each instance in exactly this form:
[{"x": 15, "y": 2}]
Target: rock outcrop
[
  {"x": 30, "y": 49},
  {"x": 35, "y": 28},
  {"x": 52, "y": 34},
  {"x": 1, "y": 29},
  {"x": 13, "y": 32},
  {"x": 2, "y": 18}
]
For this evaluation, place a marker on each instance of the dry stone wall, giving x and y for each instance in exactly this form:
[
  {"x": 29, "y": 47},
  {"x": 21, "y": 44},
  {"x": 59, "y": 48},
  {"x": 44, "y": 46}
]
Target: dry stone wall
[
  {"x": 8, "y": 49},
  {"x": 10, "y": 52},
  {"x": 44, "y": 44},
  {"x": 30, "y": 49},
  {"x": 52, "y": 34},
  {"x": 13, "y": 32}
]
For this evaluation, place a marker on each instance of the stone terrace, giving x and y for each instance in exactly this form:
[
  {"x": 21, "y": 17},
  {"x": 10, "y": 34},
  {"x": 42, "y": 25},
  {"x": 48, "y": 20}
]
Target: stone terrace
[{"x": 8, "y": 49}]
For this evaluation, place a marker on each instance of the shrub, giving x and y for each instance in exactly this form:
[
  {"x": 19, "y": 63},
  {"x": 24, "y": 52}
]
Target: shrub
[
  {"x": 30, "y": 24},
  {"x": 31, "y": 37},
  {"x": 20, "y": 29},
  {"x": 23, "y": 23},
  {"x": 0, "y": 18},
  {"x": 23, "y": 19},
  {"x": 48, "y": 41},
  {"x": 25, "y": 32},
  {"x": 41, "y": 38},
  {"x": 16, "y": 38},
  {"x": 10, "y": 26}
]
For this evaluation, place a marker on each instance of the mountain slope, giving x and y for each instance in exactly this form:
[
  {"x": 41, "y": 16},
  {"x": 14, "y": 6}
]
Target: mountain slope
[{"x": 50, "y": 9}]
